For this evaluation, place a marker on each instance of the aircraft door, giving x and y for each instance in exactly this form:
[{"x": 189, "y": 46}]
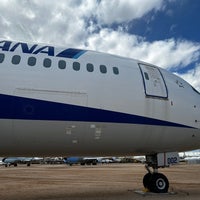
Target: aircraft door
[{"x": 154, "y": 83}]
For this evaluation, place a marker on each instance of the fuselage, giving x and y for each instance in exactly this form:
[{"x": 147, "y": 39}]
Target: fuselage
[{"x": 57, "y": 101}]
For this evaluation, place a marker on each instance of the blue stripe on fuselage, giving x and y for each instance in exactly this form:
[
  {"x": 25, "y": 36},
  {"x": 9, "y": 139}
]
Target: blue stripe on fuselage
[
  {"x": 71, "y": 53},
  {"x": 13, "y": 107}
]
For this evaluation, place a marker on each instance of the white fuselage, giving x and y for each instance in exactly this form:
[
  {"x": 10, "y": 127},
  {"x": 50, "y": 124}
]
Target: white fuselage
[{"x": 91, "y": 104}]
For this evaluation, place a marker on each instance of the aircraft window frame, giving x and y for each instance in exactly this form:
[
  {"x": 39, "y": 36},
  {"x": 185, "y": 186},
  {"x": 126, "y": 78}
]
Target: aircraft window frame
[
  {"x": 16, "y": 59},
  {"x": 115, "y": 70},
  {"x": 195, "y": 90},
  {"x": 32, "y": 61},
  {"x": 146, "y": 75},
  {"x": 47, "y": 62},
  {"x": 2, "y": 57},
  {"x": 62, "y": 64},
  {"x": 76, "y": 66},
  {"x": 90, "y": 67},
  {"x": 103, "y": 69}
]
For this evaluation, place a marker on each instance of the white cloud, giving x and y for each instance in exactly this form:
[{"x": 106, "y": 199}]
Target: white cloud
[
  {"x": 45, "y": 21},
  {"x": 66, "y": 22},
  {"x": 170, "y": 53},
  {"x": 166, "y": 53},
  {"x": 119, "y": 11}
]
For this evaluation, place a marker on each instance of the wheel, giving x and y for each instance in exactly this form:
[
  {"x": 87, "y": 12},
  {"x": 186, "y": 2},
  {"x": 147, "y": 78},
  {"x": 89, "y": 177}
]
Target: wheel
[
  {"x": 159, "y": 183},
  {"x": 146, "y": 180},
  {"x": 94, "y": 162}
]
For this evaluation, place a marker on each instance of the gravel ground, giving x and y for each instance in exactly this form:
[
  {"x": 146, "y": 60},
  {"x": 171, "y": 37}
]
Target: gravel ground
[{"x": 109, "y": 182}]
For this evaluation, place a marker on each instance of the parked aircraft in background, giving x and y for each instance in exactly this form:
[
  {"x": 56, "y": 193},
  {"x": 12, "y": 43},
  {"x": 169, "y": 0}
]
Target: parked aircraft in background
[
  {"x": 140, "y": 159},
  {"x": 80, "y": 160},
  {"x": 71, "y": 102},
  {"x": 19, "y": 160},
  {"x": 12, "y": 161},
  {"x": 1, "y": 162},
  {"x": 190, "y": 154},
  {"x": 90, "y": 160},
  {"x": 191, "y": 157}
]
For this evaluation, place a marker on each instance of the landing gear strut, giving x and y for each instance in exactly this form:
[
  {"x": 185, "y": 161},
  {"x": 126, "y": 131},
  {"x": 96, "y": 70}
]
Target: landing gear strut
[{"x": 154, "y": 181}]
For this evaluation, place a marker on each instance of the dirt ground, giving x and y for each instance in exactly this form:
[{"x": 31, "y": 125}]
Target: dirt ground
[{"x": 109, "y": 182}]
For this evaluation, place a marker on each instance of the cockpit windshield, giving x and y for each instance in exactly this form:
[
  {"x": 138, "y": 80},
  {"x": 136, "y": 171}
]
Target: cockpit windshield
[{"x": 196, "y": 90}]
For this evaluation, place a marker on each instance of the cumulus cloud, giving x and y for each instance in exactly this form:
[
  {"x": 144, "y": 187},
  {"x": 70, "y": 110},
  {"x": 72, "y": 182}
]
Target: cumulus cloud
[
  {"x": 43, "y": 21},
  {"x": 166, "y": 53},
  {"x": 66, "y": 22},
  {"x": 170, "y": 53},
  {"x": 119, "y": 11}
]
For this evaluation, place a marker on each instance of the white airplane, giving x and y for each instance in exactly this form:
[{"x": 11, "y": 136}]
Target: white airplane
[
  {"x": 191, "y": 157},
  {"x": 19, "y": 160},
  {"x": 72, "y": 102}
]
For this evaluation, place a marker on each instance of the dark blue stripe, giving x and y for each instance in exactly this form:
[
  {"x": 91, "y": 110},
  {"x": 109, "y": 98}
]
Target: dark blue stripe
[
  {"x": 71, "y": 53},
  {"x": 12, "y": 107}
]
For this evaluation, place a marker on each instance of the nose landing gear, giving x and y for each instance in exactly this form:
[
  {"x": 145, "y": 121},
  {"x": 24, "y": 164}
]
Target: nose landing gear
[{"x": 156, "y": 182}]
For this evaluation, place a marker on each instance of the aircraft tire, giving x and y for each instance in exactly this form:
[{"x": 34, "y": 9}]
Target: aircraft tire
[
  {"x": 146, "y": 180},
  {"x": 159, "y": 183}
]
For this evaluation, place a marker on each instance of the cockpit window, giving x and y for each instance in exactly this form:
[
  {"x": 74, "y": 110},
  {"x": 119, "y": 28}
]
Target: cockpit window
[
  {"x": 2, "y": 56},
  {"x": 195, "y": 90}
]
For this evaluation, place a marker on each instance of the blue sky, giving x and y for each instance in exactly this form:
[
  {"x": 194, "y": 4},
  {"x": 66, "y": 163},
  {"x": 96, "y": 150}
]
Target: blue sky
[
  {"x": 161, "y": 32},
  {"x": 180, "y": 21}
]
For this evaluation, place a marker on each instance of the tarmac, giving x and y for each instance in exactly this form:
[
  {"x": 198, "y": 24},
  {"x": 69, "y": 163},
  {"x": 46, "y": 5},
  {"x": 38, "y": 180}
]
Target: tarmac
[{"x": 100, "y": 182}]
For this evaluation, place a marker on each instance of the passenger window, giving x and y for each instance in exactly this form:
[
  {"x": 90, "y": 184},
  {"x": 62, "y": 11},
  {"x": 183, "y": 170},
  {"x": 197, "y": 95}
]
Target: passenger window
[
  {"x": 115, "y": 70},
  {"x": 31, "y": 61},
  {"x": 90, "y": 67},
  {"x": 146, "y": 75},
  {"x": 47, "y": 62},
  {"x": 76, "y": 66},
  {"x": 16, "y": 59},
  {"x": 2, "y": 56},
  {"x": 62, "y": 64},
  {"x": 103, "y": 69}
]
